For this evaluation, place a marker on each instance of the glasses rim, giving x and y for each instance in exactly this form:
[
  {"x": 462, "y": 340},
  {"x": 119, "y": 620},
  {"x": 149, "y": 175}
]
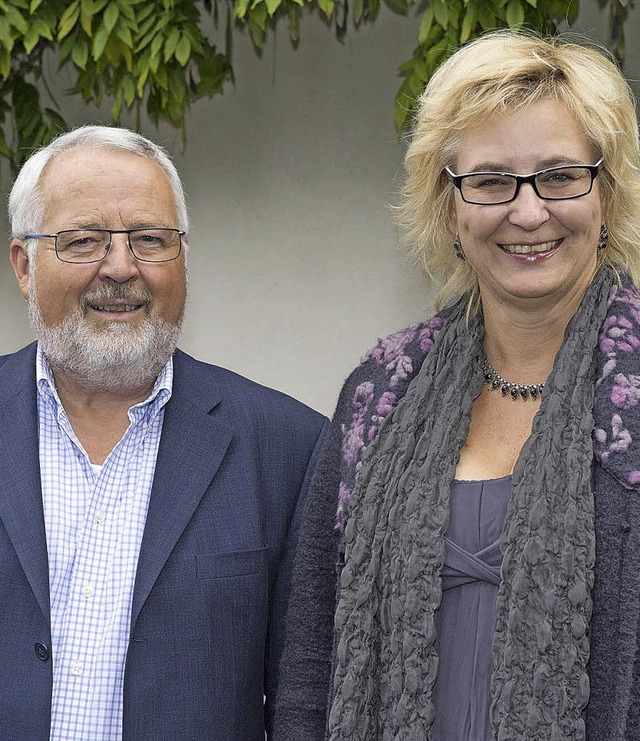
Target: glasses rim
[
  {"x": 181, "y": 233},
  {"x": 457, "y": 180}
]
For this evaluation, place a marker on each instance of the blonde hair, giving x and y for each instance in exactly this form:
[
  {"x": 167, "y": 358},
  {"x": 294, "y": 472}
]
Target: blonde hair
[{"x": 506, "y": 71}]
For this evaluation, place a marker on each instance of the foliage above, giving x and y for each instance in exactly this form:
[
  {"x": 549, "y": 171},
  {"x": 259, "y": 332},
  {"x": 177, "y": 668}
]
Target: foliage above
[{"x": 154, "y": 55}]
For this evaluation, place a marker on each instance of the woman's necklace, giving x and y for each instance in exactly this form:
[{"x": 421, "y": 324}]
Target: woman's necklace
[{"x": 517, "y": 390}]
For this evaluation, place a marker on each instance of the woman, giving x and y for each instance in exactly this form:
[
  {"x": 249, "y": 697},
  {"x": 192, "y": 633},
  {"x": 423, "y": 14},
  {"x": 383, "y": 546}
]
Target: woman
[{"x": 482, "y": 464}]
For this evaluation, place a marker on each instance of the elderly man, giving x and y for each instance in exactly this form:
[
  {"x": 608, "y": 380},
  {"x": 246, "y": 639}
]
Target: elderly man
[{"x": 149, "y": 503}]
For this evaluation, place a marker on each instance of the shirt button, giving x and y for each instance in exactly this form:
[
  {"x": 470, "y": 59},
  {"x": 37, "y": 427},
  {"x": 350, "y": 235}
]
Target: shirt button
[
  {"x": 42, "y": 651},
  {"x": 76, "y": 668},
  {"x": 88, "y": 591},
  {"x": 99, "y": 517}
]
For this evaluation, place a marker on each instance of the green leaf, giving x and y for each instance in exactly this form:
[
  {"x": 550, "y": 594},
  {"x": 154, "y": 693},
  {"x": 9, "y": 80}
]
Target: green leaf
[
  {"x": 123, "y": 32},
  {"x": 240, "y": 8},
  {"x": 468, "y": 23},
  {"x": 87, "y": 11},
  {"x": 154, "y": 63},
  {"x": 258, "y": 15},
  {"x": 143, "y": 30},
  {"x": 6, "y": 35},
  {"x": 80, "y": 54},
  {"x": 146, "y": 11},
  {"x": 416, "y": 85},
  {"x": 326, "y": 6},
  {"x": 420, "y": 70},
  {"x": 4, "y": 149},
  {"x": 486, "y": 18},
  {"x": 425, "y": 25},
  {"x": 257, "y": 25},
  {"x": 56, "y": 122},
  {"x": 533, "y": 3},
  {"x": 454, "y": 17},
  {"x": 69, "y": 19},
  {"x": 441, "y": 12},
  {"x": 128, "y": 11},
  {"x": 110, "y": 17},
  {"x": 31, "y": 39},
  {"x": 129, "y": 90},
  {"x": 44, "y": 29},
  {"x": 16, "y": 19},
  {"x": 272, "y": 6},
  {"x": 5, "y": 62},
  {"x": 183, "y": 51},
  {"x": 100, "y": 39},
  {"x": 116, "y": 108},
  {"x": 405, "y": 101},
  {"x": 294, "y": 23},
  {"x": 156, "y": 44},
  {"x": 515, "y": 14},
  {"x": 35, "y": 4},
  {"x": 171, "y": 43},
  {"x": 160, "y": 76}
]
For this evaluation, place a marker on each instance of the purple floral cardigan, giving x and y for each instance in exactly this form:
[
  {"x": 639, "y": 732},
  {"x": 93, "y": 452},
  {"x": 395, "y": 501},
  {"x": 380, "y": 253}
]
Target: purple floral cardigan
[{"x": 370, "y": 393}]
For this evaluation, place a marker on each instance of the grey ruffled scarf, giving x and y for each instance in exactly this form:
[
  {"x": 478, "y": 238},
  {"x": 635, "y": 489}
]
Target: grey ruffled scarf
[{"x": 386, "y": 664}]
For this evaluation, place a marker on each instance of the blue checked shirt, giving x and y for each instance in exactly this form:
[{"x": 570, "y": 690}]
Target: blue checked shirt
[{"x": 94, "y": 518}]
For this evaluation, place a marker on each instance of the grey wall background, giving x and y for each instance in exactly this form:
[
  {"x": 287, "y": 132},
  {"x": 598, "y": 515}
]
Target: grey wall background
[{"x": 295, "y": 266}]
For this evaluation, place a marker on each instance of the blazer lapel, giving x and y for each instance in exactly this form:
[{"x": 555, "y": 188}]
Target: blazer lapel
[
  {"x": 21, "y": 509},
  {"x": 192, "y": 447}
]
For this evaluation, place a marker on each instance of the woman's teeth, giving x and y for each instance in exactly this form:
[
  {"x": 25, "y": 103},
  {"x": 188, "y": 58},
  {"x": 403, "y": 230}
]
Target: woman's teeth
[{"x": 527, "y": 249}]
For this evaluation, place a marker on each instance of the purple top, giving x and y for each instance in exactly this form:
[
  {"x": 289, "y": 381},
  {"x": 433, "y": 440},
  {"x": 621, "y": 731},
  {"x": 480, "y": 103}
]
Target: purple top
[{"x": 465, "y": 621}]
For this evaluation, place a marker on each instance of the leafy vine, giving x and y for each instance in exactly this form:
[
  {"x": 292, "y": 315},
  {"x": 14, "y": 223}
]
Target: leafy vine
[{"x": 153, "y": 55}]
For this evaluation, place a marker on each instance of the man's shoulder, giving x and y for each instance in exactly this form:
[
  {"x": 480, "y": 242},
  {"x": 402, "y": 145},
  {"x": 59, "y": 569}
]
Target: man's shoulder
[
  {"x": 241, "y": 395},
  {"x": 13, "y": 361}
]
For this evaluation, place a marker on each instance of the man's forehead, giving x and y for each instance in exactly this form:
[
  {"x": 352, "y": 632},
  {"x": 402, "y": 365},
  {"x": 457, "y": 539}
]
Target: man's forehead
[
  {"x": 82, "y": 158},
  {"x": 101, "y": 180}
]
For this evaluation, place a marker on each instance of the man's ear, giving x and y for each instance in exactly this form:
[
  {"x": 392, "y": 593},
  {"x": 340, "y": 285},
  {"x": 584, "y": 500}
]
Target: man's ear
[{"x": 20, "y": 263}]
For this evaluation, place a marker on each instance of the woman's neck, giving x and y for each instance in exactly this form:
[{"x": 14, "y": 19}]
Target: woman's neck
[{"x": 521, "y": 340}]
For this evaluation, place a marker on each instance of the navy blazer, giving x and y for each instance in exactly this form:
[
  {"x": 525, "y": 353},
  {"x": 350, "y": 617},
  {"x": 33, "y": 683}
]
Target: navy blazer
[{"x": 213, "y": 576}]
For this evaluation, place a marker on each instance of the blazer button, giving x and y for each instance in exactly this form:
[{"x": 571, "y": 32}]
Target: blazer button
[{"x": 42, "y": 651}]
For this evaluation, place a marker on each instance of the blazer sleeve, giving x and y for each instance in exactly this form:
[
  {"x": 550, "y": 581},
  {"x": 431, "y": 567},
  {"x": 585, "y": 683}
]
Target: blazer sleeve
[
  {"x": 282, "y": 588},
  {"x": 305, "y": 671}
]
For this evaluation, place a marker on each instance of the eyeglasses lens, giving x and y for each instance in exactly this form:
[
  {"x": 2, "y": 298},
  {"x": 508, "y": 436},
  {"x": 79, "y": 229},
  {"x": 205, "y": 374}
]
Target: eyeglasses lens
[
  {"x": 555, "y": 184},
  {"x": 91, "y": 245}
]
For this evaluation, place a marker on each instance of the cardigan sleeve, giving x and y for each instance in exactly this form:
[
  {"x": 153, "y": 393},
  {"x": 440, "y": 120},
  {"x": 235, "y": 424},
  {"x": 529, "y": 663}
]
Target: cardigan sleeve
[
  {"x": 367, "y": 397},
  {"x": 305, "y": 671}
]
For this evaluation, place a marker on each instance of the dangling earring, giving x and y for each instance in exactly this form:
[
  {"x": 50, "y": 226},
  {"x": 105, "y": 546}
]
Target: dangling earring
[
  {"x": 603, "y": 239},
  {"x": 458, "y": 248}
]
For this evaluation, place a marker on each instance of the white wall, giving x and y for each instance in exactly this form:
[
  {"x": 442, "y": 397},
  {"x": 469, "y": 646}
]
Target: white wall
[{"x": 295, "y": 265}]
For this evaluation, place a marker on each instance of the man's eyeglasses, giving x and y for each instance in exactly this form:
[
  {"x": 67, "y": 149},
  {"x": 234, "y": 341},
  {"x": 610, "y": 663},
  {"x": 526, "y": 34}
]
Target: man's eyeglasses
[
  {"x": 552, "y": 184},
  {"x": 92, "y": 245}
]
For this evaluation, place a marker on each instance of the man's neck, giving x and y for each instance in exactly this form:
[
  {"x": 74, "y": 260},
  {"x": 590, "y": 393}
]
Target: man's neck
[{"x": 98, "y": 416}]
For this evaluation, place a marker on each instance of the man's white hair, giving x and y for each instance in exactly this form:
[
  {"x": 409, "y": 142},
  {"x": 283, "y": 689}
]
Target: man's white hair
[{"x": 26, "y": 202}]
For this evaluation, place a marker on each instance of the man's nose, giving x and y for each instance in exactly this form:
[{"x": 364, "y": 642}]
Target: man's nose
[{"x": 119, "y": 264}]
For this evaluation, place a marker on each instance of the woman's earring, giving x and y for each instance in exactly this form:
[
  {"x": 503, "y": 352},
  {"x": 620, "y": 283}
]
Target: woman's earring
[
  {"x": 458, "y": 248},
  {"x": 603, "y": 239}
]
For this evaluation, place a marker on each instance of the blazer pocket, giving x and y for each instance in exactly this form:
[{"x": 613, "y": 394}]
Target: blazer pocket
[{"x": 236, "y": 563}]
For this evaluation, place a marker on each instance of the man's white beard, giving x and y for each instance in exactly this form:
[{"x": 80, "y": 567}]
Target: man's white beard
[{"x": 117, "y": 356}]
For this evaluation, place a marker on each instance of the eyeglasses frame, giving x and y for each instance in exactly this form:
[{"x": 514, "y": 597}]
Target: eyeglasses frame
[
  {"x": 456, "y": 180},
  {"x": 111, "y": 232}
]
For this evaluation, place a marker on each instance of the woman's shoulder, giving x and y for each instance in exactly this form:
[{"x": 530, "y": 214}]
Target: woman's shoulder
[
  {"x": 396, "y": 358},
  {"x": 617, "y": 402},
  {"x": 371, "y": 393}
]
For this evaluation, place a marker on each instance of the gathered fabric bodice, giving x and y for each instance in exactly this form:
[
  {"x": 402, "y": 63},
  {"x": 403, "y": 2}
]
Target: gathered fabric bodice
[{"x": 465, "y": 621}]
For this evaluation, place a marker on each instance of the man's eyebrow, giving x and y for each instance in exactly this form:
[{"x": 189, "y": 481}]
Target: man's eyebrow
[{"x": 92, "y": 225}]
